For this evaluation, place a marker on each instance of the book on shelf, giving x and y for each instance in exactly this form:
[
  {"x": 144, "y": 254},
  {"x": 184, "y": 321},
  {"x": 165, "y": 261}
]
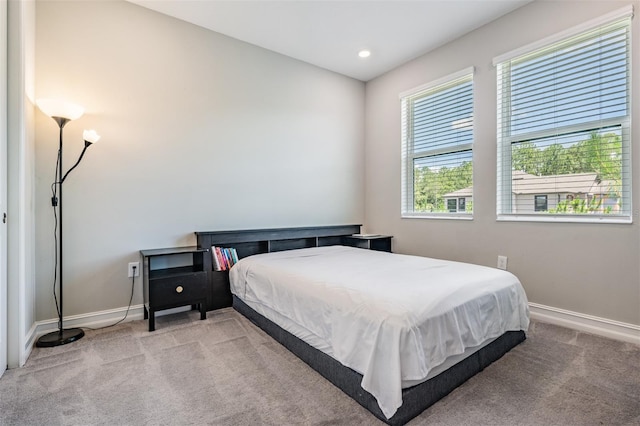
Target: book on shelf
[
  {"x": 216, "y": 259},
  {"x": 223, "y": 258},
  {"x": 365, "y": 235}
]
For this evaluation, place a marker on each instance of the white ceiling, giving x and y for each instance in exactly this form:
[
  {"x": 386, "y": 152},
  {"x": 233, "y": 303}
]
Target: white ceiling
[{"x": 330, "y": 33}]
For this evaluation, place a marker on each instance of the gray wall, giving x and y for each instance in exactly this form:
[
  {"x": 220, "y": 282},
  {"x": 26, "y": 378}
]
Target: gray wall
[
  {"x": 199, "y": 132},
  {"x": 586, "y": 268}
]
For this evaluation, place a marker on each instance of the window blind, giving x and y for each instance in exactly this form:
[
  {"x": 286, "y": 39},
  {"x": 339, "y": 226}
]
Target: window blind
[
  {"x": 564, "y": 128},
  {"x": 437, "y": 136}
]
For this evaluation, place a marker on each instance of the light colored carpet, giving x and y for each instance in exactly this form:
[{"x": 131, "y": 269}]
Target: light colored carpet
[{"x": 226, "y": 371}]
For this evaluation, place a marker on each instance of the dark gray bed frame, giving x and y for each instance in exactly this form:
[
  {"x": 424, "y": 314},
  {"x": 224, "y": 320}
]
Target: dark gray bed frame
[{"x": 415, "y": 399}]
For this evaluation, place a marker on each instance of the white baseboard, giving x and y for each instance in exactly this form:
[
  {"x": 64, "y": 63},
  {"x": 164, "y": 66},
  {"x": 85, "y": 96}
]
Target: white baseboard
[
  {"x": 94, "y": 320},
  {"x": 574, "y": 320},
  {"x": 91, "y": 319},
  {"x": 587, "y": 323},
  {"x": 28, "y": 345}
]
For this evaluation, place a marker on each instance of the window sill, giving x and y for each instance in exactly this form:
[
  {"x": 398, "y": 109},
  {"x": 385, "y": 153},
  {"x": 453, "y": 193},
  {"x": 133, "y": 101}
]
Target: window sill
[
  {"x": 564, "y": 219},
  {"x": 453, "y": 216}
]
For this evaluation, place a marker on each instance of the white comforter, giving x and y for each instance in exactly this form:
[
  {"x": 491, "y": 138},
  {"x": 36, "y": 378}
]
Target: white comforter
[{"x": 390, "y": 317}]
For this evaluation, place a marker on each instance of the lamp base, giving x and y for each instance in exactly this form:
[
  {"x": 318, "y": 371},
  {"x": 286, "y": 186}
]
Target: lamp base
[{"x": 60, "y": 337}]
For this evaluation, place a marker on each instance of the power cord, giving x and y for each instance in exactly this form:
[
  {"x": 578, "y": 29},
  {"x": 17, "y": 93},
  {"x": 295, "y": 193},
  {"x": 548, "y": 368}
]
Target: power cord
[
  {"x": 133, "y": 281},
  {"x": 54, "y": 204}
]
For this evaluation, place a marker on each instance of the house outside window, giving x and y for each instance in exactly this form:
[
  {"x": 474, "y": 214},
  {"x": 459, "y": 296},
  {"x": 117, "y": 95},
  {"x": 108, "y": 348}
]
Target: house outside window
[
  {"x": 564, "y": 126},
  {"x": 437, "y": 146},
  {"x": 561, "y": 192}
]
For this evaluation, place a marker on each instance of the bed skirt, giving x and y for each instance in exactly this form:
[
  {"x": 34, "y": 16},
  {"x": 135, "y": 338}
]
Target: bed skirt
[{"x": 415, "y": 399}]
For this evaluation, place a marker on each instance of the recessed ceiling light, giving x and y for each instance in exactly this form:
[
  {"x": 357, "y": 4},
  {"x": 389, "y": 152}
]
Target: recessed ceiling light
[{"x": 364, "y": 53}]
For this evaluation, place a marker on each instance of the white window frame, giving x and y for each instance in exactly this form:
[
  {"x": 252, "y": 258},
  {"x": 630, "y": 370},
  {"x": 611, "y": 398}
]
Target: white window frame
[
  {"x": 462, "y": 204},
  {"x": 408, "y": 155},
  {"x": 505, "y": 140}
]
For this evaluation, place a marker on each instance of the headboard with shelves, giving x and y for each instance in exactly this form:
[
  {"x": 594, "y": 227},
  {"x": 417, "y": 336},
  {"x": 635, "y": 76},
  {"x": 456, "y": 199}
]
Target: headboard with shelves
[{"x": 256, "y": 241}]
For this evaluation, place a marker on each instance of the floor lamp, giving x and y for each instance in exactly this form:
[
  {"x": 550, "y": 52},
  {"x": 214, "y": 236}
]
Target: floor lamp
[{"x": 62, "y": 112}]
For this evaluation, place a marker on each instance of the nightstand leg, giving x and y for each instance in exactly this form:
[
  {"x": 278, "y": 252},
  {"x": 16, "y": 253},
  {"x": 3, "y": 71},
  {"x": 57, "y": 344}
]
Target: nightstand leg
[
  {"x": 152, "y": 320},
  {"x": 146, "y": 313},
  {"x": 203, "y": 310}
]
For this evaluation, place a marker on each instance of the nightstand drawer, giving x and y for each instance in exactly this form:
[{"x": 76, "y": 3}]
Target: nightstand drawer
[{"x": 177, "y": 290}]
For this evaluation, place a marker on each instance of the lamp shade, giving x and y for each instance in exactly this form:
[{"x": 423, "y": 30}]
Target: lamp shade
[
  {"x": 59, "y": 108},
  {"x": 90, "y": 136}
]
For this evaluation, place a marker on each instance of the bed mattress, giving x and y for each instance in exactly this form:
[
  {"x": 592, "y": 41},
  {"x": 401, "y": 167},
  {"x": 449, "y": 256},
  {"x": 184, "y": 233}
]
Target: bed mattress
[{"x": 392, "y": 318}]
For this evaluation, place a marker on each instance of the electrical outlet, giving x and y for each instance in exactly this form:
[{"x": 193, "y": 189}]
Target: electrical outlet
[
  {"x": 134, "y": 269},
  {"x": 502, "y": 262}
]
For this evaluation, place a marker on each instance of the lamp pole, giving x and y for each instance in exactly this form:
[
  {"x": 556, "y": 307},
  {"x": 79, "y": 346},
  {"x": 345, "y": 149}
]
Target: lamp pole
[{"x": 61, "y": 123}]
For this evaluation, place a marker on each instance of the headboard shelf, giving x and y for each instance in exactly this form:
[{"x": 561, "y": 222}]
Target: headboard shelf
[
  {"x": 255, "y": 241},
  {"x": 209, "y": 238}
]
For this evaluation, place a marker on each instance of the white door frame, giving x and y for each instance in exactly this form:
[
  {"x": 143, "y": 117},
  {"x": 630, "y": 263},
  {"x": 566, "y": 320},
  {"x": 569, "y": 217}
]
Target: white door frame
[
  {"x": 3, "y": 187},
  {"x": 20, "y": 153}
]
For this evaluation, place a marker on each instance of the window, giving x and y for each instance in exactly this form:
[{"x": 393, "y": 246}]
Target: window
[
  {"x": 461, "y": 204},
  {"x": 564, "y": 126},
  {"x": 540, "y": 203},
  {"x": 437, "y": 142}
]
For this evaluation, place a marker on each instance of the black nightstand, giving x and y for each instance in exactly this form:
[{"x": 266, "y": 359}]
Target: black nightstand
[
  {"x": 166, "y": 288},
  {"x": 371, "y": 242}
]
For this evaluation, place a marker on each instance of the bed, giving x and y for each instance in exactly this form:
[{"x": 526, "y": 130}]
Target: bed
[{"x": 381, "y": 326}]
